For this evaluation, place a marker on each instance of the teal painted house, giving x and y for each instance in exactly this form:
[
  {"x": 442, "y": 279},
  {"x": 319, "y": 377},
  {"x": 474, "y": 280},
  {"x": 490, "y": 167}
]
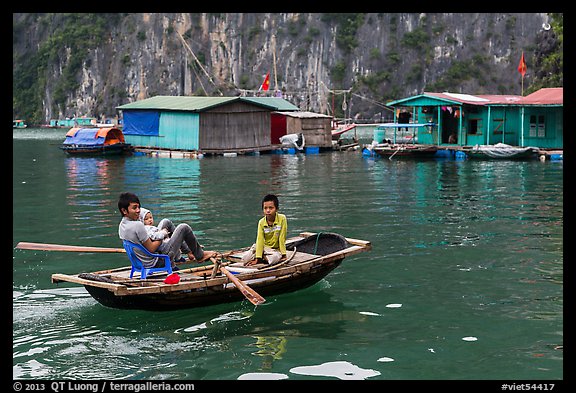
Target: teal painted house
[
  {"x": 464, "y": 119},
  {"x": 75, "y": 122},
  {"x": 206, "y": 124}
]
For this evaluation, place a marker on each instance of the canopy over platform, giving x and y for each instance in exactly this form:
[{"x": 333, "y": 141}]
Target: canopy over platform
[{"x": 94, "y": 136}]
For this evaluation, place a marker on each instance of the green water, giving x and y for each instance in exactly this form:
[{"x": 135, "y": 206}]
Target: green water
[{"x": 465, "y": 279}]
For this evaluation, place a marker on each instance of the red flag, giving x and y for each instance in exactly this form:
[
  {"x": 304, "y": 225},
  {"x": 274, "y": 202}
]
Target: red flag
[
  {"x": 522, "y": 66},
  {"x": 266, "y": 84}
]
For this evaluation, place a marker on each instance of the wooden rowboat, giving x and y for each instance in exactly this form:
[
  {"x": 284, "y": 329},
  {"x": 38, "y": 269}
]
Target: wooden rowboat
[
  {"x": 341, "y": 129},
  {"x": 405, "y": 150},
  {"x": 310, "y": 258}
]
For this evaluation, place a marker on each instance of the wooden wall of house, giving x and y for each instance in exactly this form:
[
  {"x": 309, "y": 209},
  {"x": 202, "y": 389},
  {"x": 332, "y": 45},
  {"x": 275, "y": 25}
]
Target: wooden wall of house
[
  {"x": 544, "y": 127},
  {"x": 177, "y": 130},
  {"x": 235, "y": 126},
  {"x": 316, "y": 130}
]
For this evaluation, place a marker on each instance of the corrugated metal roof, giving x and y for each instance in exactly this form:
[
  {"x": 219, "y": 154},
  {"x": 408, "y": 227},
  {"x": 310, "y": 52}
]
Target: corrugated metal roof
[
  {"x": 305, "y": 115},
  {"x": 275, "y": 103},
  {"x": 545, "y": 96},
  {"x": 419, "y": 100},
  {"x": 199, "y": 104},
  {"x": 482, "y": 99},
  {"x": 178, "y": 103}
]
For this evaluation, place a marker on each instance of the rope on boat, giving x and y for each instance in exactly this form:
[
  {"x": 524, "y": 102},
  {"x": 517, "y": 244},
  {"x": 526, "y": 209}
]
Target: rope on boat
[
  {"x": 397, "y": 150},
  {"x": 316, "y": 245}
]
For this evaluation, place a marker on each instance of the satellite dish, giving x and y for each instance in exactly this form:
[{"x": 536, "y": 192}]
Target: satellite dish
[{"x": 546, "y": 26}]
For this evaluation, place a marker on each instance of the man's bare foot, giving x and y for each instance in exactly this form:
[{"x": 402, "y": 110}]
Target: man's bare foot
[
  {"x": 208, "y": 255},
  {"x": 251, "y": 262}
]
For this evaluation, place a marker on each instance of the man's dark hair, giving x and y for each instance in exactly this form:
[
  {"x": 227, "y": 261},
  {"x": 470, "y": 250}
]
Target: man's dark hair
[
  {"x": 271, "y": 198},
  {"x": 126, "y": 198}
]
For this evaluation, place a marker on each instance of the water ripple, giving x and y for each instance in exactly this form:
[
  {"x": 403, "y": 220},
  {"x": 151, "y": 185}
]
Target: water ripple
[{"x": 468, "y": 249}]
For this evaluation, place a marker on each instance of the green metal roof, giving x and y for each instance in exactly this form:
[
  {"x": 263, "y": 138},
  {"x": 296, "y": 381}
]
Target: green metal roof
[
  {"x": 276, "y": 103},
  {"x": 179, "y": 103},
  {"x": 422, "y": 100},
  {"x": 199, "y": 104}
]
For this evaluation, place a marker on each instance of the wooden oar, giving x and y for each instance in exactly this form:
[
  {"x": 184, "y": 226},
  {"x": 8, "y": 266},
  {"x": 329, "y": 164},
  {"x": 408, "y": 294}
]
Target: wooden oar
[
  {"x": 62, "y": 247},
  {"x": 250, "y": 294}
]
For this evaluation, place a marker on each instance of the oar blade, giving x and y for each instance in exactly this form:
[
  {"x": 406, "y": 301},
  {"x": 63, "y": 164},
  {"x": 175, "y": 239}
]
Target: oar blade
[{"x": 254, "y": 297}]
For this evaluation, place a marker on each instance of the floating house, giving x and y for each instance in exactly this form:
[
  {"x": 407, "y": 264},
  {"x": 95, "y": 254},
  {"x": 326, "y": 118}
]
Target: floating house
[
  {"x": 74, "y": 122},
  {"x": 465, "y": 119},
  {"x": 18, "y": 123},
  {"x": 206, "y": 124},
  {"x": 315, "y": 127}
]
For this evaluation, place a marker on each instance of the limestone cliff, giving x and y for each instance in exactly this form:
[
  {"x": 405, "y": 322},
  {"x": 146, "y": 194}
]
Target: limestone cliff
[{"x": 87, "y": 64}]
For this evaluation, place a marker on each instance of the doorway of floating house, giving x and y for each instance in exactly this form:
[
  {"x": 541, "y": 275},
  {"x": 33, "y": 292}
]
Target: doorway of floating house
[{"x": 450, "y": 122}]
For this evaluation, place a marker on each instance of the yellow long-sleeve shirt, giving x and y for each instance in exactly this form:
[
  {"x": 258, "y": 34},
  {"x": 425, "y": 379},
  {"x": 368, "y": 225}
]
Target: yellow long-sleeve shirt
[{"x": 273, "y": 236}]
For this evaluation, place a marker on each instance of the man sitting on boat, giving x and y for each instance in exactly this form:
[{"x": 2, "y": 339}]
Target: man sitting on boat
[{"x": 132, "y": 229}]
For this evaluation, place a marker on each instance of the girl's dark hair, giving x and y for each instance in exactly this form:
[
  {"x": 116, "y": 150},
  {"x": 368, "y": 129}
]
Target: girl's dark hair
[
  {"x": 271, "y": 198},
  {"x": 126, "y": 198}
]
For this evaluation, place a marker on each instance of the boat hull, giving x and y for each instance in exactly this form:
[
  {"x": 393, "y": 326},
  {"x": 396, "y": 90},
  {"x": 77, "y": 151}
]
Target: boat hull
[
  {"x": 115, "y": 149},
  {"x": 415, "y": 151},
  {"x": 207, "y": 296}
]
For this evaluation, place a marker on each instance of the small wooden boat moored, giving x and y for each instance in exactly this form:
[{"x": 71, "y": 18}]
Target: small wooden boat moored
[
  {"x": 89, "y": 141},
  {"x": 341, "y": 129},
  {"x": 405, "y": 150},
  {"x": 311, "y": 256}
]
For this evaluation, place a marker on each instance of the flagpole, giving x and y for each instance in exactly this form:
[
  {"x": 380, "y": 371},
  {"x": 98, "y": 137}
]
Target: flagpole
[{"x": 274, "y": 62}]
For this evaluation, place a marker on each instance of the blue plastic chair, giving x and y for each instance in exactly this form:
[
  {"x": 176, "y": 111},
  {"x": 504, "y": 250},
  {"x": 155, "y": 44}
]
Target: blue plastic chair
[{"x": 137, "y": 264}]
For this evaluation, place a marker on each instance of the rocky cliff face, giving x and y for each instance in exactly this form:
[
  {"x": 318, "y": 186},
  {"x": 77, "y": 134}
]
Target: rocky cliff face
[{"x": 87, "y": 64}]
